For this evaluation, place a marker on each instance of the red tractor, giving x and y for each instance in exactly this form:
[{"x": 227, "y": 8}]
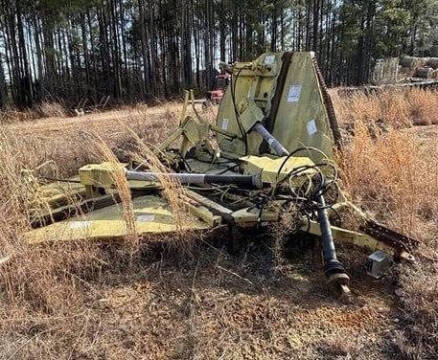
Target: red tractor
[{"x": 215, "y": 96}]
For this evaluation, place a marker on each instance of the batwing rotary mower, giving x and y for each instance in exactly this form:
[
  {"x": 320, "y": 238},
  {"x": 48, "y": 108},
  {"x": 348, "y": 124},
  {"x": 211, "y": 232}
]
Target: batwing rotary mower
[{"x": 268, "y": 157}]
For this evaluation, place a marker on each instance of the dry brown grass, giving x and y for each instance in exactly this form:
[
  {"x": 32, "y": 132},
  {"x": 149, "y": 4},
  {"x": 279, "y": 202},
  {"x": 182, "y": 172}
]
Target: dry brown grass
[
  {"x": 148, "y": 155},
  {"x": 124, "y": 192},
  {"x": 50, "y": 109},
  {"x": 395, "y": 178},
  {"x": 44, "y": 110},
  {"x": 11, "y": 115},
  {"x": 84, "y": 301},
  {"x": 395, "y": 108},
  {"x": 68, "y": 148}
]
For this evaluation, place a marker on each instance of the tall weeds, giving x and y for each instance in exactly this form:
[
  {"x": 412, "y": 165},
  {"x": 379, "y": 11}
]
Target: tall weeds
[
  {"x": 395, "y": 108},
  {"x": 52, "y": 278},
  {"x": 124, "y": 192},
  {"x": 392, "y": 177}
]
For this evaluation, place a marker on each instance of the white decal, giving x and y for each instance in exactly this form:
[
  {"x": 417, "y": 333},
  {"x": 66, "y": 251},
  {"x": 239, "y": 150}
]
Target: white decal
[
  {"x": 311, "y": 127},
  {"x": 224, "y": 124},
  {"x": 79, "y": 224},
  {"x": 146, "y": 218},
  {"x": 269, "y": 59},
  {"x": 294, "y": 93}
]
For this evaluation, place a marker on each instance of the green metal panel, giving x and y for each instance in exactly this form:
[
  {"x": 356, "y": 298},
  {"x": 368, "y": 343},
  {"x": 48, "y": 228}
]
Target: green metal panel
[
  {"x": 252, "y": 84},
  {"x": 269, "y": 168},
  {"x": 152, "y": 215},
  {"x": 302, "y": 118}
]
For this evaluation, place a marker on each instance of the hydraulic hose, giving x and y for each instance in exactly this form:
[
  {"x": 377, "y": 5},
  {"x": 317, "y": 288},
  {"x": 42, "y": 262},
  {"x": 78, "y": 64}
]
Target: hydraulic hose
[{"x": 333, "y": 268}]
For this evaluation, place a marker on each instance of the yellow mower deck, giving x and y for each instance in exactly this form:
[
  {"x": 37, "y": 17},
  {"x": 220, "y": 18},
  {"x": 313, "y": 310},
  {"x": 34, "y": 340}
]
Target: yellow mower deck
[{"x": 152, "y": 215}]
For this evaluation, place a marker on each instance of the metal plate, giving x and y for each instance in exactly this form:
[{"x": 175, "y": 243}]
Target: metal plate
[{"x": 152, "y": 215}]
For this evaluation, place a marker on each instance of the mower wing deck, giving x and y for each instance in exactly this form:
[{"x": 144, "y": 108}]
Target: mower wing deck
[{"x": 152, "y": 215}]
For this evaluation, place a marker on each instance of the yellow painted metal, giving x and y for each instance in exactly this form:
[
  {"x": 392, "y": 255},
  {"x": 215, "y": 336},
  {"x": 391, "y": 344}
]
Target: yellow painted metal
[
  {"x": 102, "y": 176},
  {"x": 251, "y": 116},
  {"x": 56, "y": 195},
  {"x": 204, "y": 214},
  {"x": 261, "y": 80},
  {"x": 302, "y": 118},
  {"x": 255, "y": 83},
  {"x": 152, "y": 215},
  {"x": 350, "y": 237},
  {"x": 59, "y": 193},
  {"x": 174, "y": 136},
  {"x": 269, "y": 167},
  {"x": 99, "y": 175},
  {"x": 252, "y": 215},
  {"x": 194, "y": 132},
  {"x": 210, "y": 204}
]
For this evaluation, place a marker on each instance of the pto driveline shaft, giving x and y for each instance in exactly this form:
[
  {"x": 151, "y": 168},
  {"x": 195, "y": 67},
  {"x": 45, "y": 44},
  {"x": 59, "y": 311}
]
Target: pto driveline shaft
[
  {"x": 272, "y": 141},
  {"x": 332, "y": 265},
  {"x": 199, "y": 179}
]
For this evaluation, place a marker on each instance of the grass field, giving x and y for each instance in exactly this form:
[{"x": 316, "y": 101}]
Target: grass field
[{"x": 84, "y": 301}]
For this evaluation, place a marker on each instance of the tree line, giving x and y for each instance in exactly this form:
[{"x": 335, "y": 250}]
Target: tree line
[{"x": 135, "y": 50}]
